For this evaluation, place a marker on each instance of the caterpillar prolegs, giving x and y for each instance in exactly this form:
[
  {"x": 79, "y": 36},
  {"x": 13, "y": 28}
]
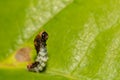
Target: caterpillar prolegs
[{"x": 42, "y": 56}]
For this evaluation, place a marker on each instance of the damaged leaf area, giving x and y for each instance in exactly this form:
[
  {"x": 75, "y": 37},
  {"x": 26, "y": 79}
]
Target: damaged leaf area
[
  {"x": 19, "y": 59},
  {"x": 84, "y": 41},
  {"x": 23, "y": 55}
]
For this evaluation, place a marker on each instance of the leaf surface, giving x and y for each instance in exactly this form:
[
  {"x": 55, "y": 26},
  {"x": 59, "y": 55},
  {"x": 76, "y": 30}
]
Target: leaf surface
[{"x": 83, "y": 38}]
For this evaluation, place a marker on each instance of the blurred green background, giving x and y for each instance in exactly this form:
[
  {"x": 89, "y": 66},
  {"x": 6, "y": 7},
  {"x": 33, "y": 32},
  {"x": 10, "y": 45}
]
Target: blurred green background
[{"x": 83, "y": 39}]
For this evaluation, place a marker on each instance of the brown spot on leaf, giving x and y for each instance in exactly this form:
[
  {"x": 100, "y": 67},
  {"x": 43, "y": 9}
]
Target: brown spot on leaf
[{"x": 23, "y": 54}]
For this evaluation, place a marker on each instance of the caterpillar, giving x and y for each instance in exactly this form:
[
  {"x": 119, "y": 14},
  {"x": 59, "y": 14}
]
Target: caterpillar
[{"x": 41, "y": 59}]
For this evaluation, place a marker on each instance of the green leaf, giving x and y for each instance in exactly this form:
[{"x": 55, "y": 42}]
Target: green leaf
[{"x": 83, "y": 39}]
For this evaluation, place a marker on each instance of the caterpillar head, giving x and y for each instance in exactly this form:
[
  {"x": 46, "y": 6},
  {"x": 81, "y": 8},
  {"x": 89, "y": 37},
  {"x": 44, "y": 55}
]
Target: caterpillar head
[
  {"x": 40, "y": 40},
  {"x": 44, "y": 36}
]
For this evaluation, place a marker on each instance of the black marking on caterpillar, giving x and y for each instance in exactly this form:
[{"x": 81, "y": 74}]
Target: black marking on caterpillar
[{"x": 42, "y": 56}]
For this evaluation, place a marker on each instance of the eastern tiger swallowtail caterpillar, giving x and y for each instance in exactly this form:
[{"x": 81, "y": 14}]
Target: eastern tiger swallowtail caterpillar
[{"x": 41, "y": 59}]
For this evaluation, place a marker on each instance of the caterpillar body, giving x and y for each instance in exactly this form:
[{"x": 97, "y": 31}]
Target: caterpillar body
[{"x": 42, "y": 56}]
